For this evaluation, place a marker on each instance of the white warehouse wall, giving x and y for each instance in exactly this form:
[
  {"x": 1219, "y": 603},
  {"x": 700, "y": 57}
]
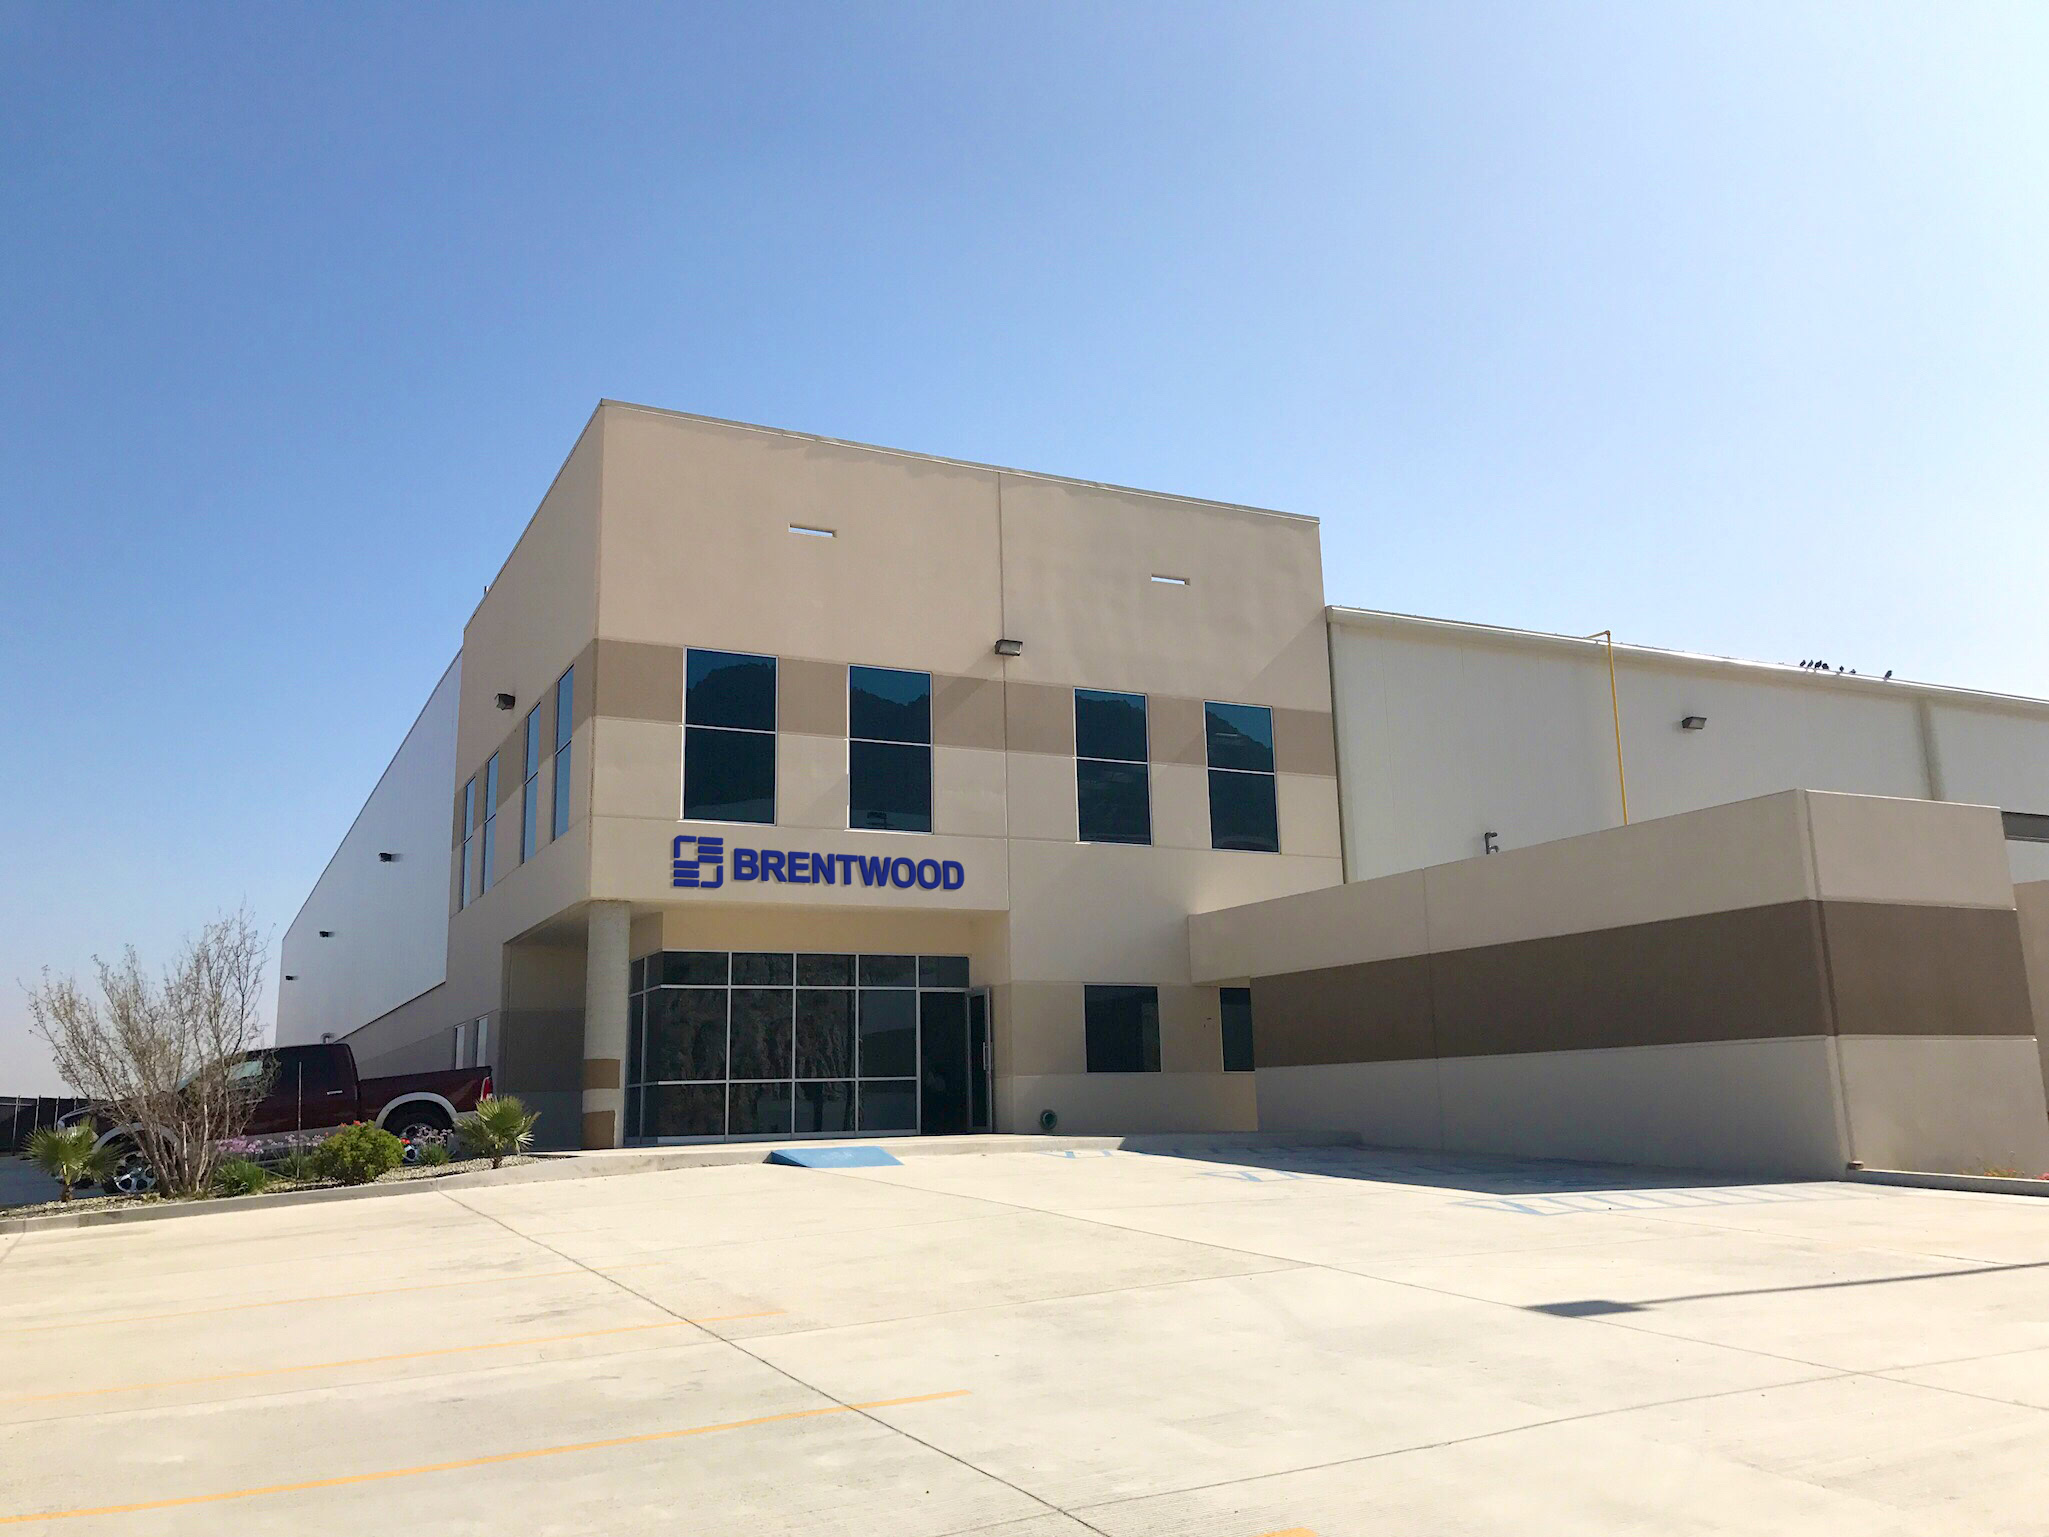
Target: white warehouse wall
[
  {"x": 390, "y": 921},
  {"x": 1447, "y": 731}
]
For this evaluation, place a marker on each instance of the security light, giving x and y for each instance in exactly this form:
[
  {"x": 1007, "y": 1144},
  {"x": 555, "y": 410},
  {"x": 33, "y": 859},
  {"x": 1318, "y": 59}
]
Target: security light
[
  {"x": 1010, "y": 648},
  {"x": 386, "y": 857},
  {"x": 1693, "y": 723},
  {"x": 291, "y": 977},
  {"x": 327, "y": 933},
  {"x": 505, "y": 701}
]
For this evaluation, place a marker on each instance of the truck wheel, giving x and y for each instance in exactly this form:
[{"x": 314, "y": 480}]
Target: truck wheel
[
  {"x": 418, "y": 1125},
  {"x": 132, "y": 1173}
]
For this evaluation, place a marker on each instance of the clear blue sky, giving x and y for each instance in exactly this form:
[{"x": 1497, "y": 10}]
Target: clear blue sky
[{"x": 1725, "y": 325}]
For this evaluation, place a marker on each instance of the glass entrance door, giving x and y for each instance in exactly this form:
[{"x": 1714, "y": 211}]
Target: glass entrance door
[
  {"x": 981, "y": 1053},
  {"x": 943, "y": 1095}
]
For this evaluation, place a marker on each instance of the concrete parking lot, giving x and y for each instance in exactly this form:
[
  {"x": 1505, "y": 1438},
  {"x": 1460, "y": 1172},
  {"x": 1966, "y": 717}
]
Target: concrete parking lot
[{"x": 1039, "y": 1343}]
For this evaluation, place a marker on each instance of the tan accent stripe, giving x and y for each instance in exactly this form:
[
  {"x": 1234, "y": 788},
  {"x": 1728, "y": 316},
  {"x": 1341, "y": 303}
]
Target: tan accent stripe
[
  {"x": 598, "y": 1130},
  {"x": 967, "y": 712},
  {"x": 1305, "y": 742},
  {"x": 811, "y": 697},
  {"x": 1755, "y": 973},
  {"x": 633, "y": 681},
  {"x": 1039, "y": 717},
  {"x": 385, "y": 1474},
  {"x": 1174, "y": 730},
  {"x": 601, "y": 1073},
  {"x": 404, "y": 1355}
]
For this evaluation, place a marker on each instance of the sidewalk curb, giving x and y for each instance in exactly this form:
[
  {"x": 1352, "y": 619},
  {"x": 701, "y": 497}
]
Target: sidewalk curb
[
  {"x": 653, "y": 1160},
  {"x": 1984, "y": 1184}
]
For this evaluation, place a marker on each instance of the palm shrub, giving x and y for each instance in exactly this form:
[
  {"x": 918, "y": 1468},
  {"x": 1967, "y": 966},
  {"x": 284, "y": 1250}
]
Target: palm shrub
[
  {"x": 358, "y": 1154},
  {"x": 498, "y": 1128},
  {"x": 67, "y": 1155},
  {"x": 241, "y": 1176}
]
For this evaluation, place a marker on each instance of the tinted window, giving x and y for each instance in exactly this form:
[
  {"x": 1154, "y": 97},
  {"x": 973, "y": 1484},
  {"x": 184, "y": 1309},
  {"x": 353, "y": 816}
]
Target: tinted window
[
  {"x": 766, "y": 969},
  {"x": 825, "y": 1107},
  {"x": 1123, "y": 1027},
  {"x": 688, "y": 968},
  {"x": 684, "y": 1110},
  {"x": 825, "y": 971},
  {"x": 686, "y": 1033},
  {"x": 565, "y": 712},
  {"x": 761, "y": 1032},
  {"x": 942, "y": 971},
  {"x": 1114, "y": 801},
  {"x": 728, "y": 776},
  {"x": 1240, "y": 736},
  {"x": 1236, "y": 1003},
  {"x": 889, "y": 785},
  {"x": 729, "y": 688},
  {"x": 889, "y": 1034},
  {"x": 886, "y": 705},
  {"x": 2025, "y": 826},
  {"x": 889, "y": 1106},
  {"x": 1242, "y": 812},
  {"x": 758, "y": 1110},
  {"x": 889, "y": 971},
  {"x": 825, "y": 1034},
  {"x": 1109, "y": 725}
]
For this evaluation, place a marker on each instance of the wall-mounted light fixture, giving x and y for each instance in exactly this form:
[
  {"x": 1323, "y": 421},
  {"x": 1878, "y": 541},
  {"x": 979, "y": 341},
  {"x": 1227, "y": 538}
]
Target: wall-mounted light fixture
[
  {"x": 1010, "y": 648},
  {"x": 1170, "y": 581},
  {"x": 815, "y": 533},
  {"x": 1490, "y": 843},
  {"x": 291, "y": 976},
  {"x": 386, "y": 857},
  {"x": 1693, "y": 723},
  {"x": 504, "y": 701},
  {"x": 327, "y": 933},
  {"x": 326, "y": 1036}
]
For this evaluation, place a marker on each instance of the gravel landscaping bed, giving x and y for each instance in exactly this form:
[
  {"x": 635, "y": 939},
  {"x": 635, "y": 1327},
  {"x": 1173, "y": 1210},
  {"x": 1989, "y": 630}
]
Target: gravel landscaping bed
[{"x": 278, "y": 1186}]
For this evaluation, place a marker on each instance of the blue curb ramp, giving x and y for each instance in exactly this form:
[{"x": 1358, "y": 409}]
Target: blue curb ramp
[{"x": 836, "y": 1157}]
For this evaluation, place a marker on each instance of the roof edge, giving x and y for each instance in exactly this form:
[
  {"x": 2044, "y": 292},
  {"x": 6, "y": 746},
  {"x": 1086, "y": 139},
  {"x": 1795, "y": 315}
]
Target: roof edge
[
  {"x": 1508, "y": 635},
  {"x": 965, "y": 464}
]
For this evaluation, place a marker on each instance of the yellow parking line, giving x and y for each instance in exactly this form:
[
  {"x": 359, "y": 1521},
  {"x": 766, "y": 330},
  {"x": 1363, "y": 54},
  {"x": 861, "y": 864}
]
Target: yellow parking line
[
  {"x": 475, "y": 1462},
  {"x": 404, "y": 1355},
  {"x": 375, "y": 1291}
]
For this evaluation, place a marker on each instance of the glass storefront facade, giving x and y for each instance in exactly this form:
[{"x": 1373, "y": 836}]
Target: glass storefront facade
[{"x": 747, "y": 1044}]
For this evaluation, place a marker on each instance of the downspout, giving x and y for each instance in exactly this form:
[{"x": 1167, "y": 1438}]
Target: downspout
[{"x": 1615, "y": 705}]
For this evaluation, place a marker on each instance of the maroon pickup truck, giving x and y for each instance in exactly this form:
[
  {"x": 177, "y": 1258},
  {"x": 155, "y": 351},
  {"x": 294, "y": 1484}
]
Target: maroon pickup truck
[{"x": 315, "y": 1089}]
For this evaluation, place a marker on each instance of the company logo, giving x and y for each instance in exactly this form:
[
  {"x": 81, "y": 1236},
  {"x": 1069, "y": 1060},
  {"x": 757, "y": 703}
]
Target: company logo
[
  {"x": 699, "y": 863},
  {"x": 705, "y": 868}
]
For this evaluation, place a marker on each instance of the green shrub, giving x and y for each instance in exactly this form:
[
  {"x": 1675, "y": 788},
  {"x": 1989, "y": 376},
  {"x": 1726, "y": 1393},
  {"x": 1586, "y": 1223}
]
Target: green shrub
[
  {"x": 358, "y": 1154},
  {"x": 299, "y": 1165},
  {"x": 497, "y": 1129},
  {"x": 434, "y": 1154},
  {"x": 241, "y": 1176}
]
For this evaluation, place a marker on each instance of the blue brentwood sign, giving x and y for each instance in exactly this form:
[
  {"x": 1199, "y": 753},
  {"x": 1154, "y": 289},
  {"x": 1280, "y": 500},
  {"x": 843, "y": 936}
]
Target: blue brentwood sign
[{"x": 699, "y": 863}]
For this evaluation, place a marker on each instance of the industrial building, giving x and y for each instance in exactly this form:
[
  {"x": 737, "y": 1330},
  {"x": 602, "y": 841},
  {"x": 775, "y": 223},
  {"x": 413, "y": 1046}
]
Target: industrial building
[{"x": 791, "y": 787}]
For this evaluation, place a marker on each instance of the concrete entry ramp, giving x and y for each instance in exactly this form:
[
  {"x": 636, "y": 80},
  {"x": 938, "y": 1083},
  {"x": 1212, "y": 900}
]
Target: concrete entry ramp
[{"x": 836, "y": 1157}]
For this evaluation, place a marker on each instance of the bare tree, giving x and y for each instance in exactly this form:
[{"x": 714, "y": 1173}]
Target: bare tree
[{"x": 166, "y": 1058}]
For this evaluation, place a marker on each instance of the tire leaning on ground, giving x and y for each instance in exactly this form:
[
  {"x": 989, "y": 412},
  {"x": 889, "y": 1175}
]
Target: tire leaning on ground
[
  {"x": 132, "y": 1172},
  {"x": 417, "y": 1125}
]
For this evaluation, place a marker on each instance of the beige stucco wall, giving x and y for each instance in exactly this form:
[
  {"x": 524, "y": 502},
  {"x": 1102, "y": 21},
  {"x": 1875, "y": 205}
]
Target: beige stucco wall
[
  {"x": 1449, "y": 731},
  {"x": 1888, "y": 1020},
  {"x": 2031, "y": 900},
  {"x": 679, "y": 529}
]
